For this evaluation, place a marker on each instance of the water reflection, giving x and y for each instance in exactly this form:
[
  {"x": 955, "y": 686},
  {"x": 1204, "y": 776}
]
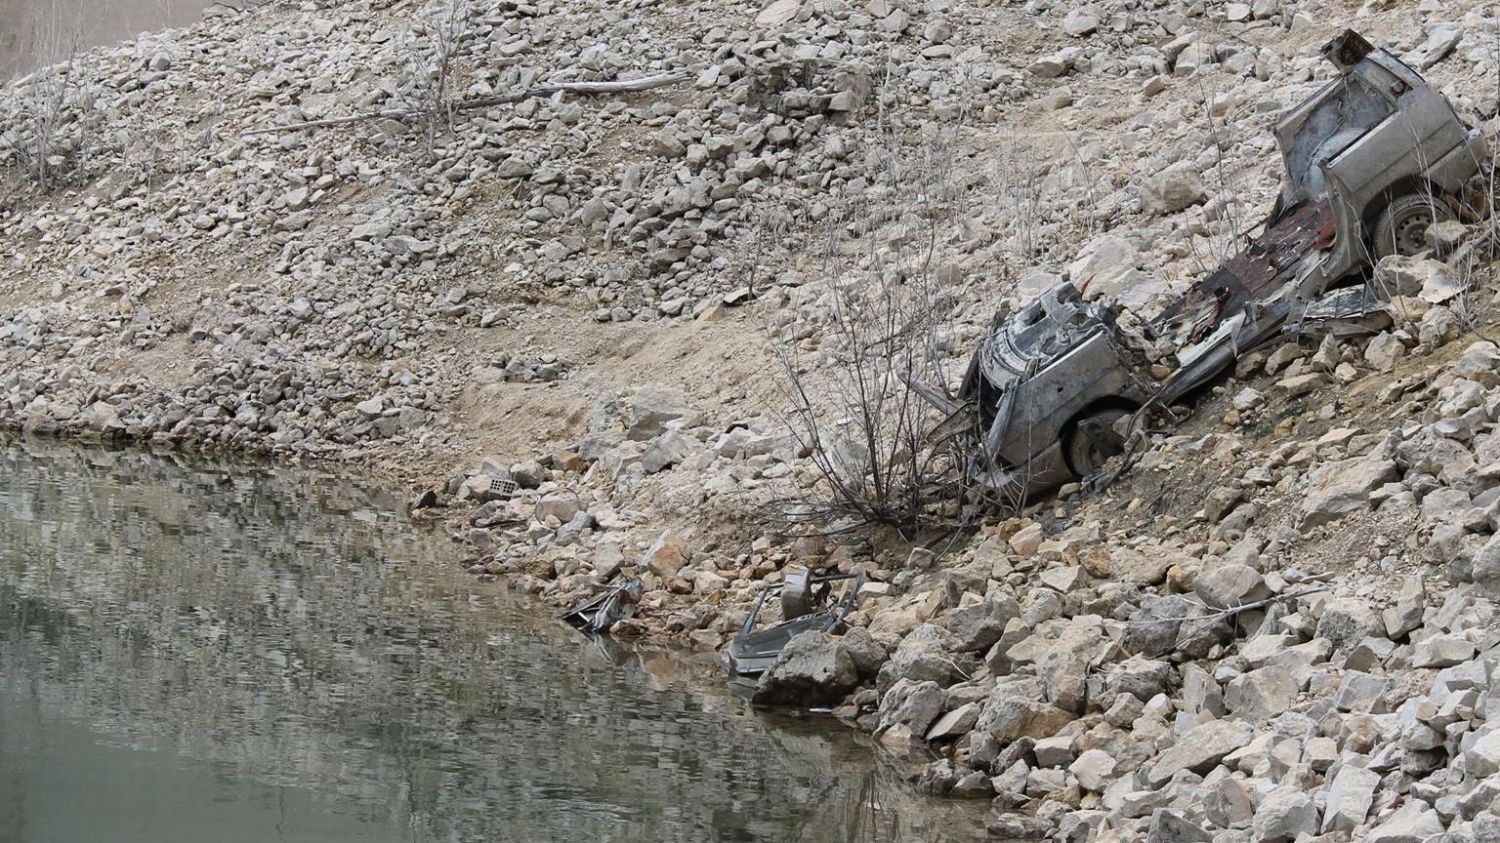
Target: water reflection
[{"x": 214, "y": 653}]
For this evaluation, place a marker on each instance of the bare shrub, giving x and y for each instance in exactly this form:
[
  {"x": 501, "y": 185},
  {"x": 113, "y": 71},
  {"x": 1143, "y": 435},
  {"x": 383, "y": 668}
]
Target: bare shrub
[
  {"x": 49, "y": 129},
  {"x": 1019, "y": 196},
  {"x": 434, "y": 45},
  {"x": 875, "y": 330},
  {"x": 1225, "y": 223}
]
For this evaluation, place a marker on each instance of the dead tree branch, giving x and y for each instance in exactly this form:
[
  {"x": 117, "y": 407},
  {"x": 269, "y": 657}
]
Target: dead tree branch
[
  {"x": 617, "y": 87},
  {"x": 1202, "y": 622}
]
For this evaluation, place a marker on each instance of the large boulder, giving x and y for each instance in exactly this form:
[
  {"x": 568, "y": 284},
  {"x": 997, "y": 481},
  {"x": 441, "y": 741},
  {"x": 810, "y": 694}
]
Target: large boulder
[
  {"x": 978, "y": 626},
  {"x": 1173, "y": 189},
  {"x": 1258, "y": 695},
  {"x": 667, "y": 450},
  {"x": 1104, "y": 266},
  {"x": 813, "y": 669},
  {"x": 1482, "y": 757},
  {"x": 1286, "y": 814},
  {"x": 867, "y": 653},
  {"x": 1167, "y": 827},
  {"x": 1224, "y": 586},
  {"x": 927, "y": 654},
  {"x": 911, "y": 706},
  {"x": 1064, "y": 666},
  {"x": 1350, "y": 795},
  {"x": 1480, "y": 362},
  {"x": 1348, "y": 620},
  {"x": 666, "y": 556},
  {"x": 1200, "y": 749},
  {"x": 1015, "y": 710},
  {"x": 1340, "y": 488},
  {"x": 1139, "y": 677},
  {"x": 1414, "y": 823},
  {"x": 650, "y": 408},
  {"x": 1485, "y": 570},
  {"x": 1173, "y": 624}
]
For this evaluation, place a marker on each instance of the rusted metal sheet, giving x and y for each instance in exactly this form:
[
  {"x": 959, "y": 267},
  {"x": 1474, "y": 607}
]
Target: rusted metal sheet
[{"x": 1267, "y": 263}]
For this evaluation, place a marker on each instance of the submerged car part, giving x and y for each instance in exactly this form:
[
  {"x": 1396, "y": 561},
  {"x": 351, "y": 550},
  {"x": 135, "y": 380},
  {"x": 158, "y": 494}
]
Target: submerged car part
[
  {"x": 807, "y": 606},
  {"x": 604, "y": 610},
  {"x": 1372, "y": 159}
]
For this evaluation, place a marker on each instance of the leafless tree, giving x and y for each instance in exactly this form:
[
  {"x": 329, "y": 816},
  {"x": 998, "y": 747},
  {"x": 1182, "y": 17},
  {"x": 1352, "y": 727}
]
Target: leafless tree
[
  {"x": 434, "y": 56},
  {"x": 48, "y": 126}
]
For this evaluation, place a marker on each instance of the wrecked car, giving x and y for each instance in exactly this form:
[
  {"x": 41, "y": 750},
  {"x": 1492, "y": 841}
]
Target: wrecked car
[
  {"x": 807, "y": 605},
  {"x": 1372, "y": 159}
]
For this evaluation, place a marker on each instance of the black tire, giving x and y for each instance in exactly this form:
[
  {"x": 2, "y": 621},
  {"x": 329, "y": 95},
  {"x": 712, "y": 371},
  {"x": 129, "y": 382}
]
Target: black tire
[
  {"x": 1091, "y": 441},
  {"x": 1401, "y": 228}
]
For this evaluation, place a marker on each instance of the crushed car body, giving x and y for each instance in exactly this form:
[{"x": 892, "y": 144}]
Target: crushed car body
[
  {"x": 807, "y": 605},
  {"x": 1372, "y": 159}
]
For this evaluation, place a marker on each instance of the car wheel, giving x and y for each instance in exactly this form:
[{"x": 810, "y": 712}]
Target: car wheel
[
  {"x": 1092, "y": 441},
  {"x": 1402, "y": 226}
]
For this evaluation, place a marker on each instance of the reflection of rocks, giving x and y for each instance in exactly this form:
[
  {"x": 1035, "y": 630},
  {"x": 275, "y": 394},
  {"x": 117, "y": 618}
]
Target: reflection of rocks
[{"x": 283, "y": 600}]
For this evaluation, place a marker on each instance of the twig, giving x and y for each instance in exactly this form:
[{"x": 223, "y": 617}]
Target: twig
[
  {"x": 1222, "y": 615},
  {"x": 617, "y": 87},
  {"x": 1232, "y": 610}
]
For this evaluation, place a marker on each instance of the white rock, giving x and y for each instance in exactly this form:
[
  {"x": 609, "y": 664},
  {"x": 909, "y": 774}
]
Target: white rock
[{"x": 1350, "y": 795}]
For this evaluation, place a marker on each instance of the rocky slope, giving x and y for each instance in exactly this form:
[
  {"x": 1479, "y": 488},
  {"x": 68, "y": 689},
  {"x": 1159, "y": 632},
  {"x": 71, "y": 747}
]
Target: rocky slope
[{"x": 1277, "y": 626}]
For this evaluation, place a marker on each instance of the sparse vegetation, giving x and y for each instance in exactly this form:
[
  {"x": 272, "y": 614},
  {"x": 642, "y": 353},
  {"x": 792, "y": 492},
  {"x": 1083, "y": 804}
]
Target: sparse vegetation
[
  {"x": 49, "y": 130},
  {"x": 885, "y": 314}
]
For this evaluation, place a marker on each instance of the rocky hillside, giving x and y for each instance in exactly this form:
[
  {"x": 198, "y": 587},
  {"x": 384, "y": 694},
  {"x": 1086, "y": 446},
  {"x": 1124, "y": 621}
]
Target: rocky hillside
[{"x": 1278, "y": 625}]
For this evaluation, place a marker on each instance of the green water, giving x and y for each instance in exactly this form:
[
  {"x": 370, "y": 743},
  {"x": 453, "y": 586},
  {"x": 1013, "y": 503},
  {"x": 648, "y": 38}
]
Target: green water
[{"x": 205, "y": 653}]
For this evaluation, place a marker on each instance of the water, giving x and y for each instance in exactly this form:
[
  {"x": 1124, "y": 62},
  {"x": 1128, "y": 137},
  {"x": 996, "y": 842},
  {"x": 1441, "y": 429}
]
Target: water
[
  {"x": 36, "y": 32},
  {"x": 193, "y": 654}
]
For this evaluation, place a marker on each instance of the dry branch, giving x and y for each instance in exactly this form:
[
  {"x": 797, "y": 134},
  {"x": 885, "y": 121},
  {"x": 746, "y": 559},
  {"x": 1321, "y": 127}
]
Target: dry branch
[
  {"x": 1203, "y": 622},
  {"x": 618, "y": 87}
]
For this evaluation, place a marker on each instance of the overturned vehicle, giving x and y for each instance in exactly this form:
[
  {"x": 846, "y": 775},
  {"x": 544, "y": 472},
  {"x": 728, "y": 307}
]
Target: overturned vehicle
[{"x": 1372, "y": 160}]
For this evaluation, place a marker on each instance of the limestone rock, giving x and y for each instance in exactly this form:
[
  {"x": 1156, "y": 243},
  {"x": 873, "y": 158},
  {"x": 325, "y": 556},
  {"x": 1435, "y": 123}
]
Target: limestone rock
[
  {"x": 813, "y": 669},
  {"x": 1441, "y": 651},
  {"x": 914, "y": 706},
  {"x": 978, "y": 626},
  {"x": 1173, "y": 189},
  {"x": 1231, "y": 585},
  {"x": 667, "y": 450},
  {"x": 1167, "y": 827},
  {"x": 1259, "y": 695},
  {"x": 650, "y": 408},
  {"x": 1283, "y": 816},
  {"x": 1347, "y": 620},
  {"x": 1200, "y": 749},
  {"x": 928, "y": 653},
  {"x": 1093, "y": 768},
  {"x": 1081, "y": 21},
  {"x": 1064, "y": 667},
  {"x": 1340, "y": 488},
  {"x": 1414, "y": 823},
  {"x": 1015, "y": 709},
  {"x": 666, "y": 556},
  {"x": 1350, "y": 795}
]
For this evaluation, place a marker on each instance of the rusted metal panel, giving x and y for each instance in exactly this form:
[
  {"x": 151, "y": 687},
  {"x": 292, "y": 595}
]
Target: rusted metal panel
[{"x": 1267, "y": 263}]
